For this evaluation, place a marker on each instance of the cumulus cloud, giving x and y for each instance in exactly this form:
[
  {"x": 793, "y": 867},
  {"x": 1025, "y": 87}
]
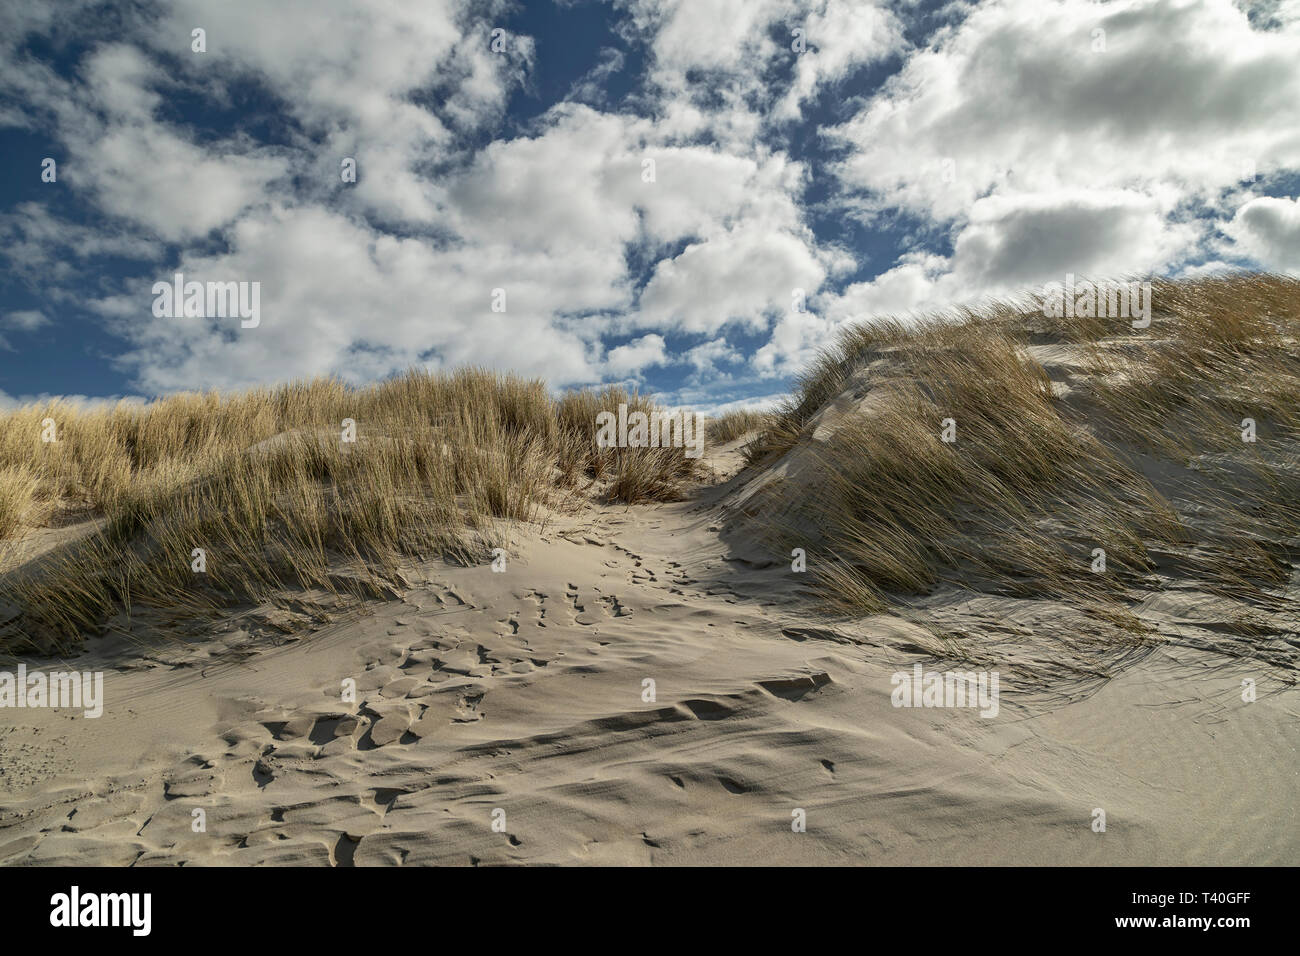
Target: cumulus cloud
[
  {"x": 388, "y": 84},
  {"x": 630, "y": 359},
  {"x": 1020, "y": 141},
  {"x": 1094, "y": 138},
  {"x": 741, "y": 277},
  {"x": 1015, "y": 240},
  {"x": 1027, "y": 97},
  {"x": 343, "y": 296},
  {"x": 548, "y": 219},
  {"x": 795, "y": 339},
  {"x": 706, "y": 358},
  {"x": 1267, "y": 230},
  {"x": 340, "y": 297},
  {"x": 728, "y": 68},
  {"x": 840, "y": 37}
]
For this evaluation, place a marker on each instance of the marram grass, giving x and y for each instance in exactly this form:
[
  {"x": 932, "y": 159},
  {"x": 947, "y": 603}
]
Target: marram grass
[
  {"x": 1172, "y": 450},
  {"x": 264, "y": 486}
]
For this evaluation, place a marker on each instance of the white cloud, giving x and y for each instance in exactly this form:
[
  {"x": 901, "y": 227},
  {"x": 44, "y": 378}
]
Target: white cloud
[
  {"x": 387, "y": 83},
  {"x": 909, "y": 285},
  {"x": 131, "y": 164},
  {"x": 705, "y": 358},
  {"x": 1039, "y": 154},
  {"x": 1063, "y": 160},
  {"x": 1268, "y": 230},
  {"x": 1019, "y": 101},
  {"x": 758, "y": 403},
  {"x": 1010, "y": 243},
  {"x": 10, "y": 402},
  {"x": 729, "y": 67},
  {"x": 840, "y": 37},
  {"x": 342, "y": 296},
  {"x": 173, "y": 187},
  {"x": 591, "y": 88},
  {"x": 24, "y": 320},
  {"x": 43, "y": 249},
  {"x": 1016, "y": 240},
  {"x": 339, "y": 297},
  {"x": 726, "y": 36},
  {"x": 636, "y": 356},
  {"x": 744, "y": 276},
  {"x": 797, "y": 337}
]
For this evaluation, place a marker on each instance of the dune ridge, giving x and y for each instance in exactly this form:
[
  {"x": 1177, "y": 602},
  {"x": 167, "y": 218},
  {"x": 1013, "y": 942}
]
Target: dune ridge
[{"x": 503, "y": 715}]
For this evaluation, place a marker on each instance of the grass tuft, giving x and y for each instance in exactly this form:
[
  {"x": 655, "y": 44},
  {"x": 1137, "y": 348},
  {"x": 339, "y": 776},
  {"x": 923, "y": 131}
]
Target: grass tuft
[
  {"x": 263, "y": 484},
  {"x": 1070, "y": 436}
]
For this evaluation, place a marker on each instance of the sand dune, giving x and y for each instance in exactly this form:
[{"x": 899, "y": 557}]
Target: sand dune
[
  {"x": 740, "y": 662},
  {"x": 522, "y": 692}
]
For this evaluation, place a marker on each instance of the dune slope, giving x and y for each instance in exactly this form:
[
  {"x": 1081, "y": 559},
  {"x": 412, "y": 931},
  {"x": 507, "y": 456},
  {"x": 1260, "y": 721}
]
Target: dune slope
[
  {"x": 669, "y": 682},
  {"x": 522, "y": 692}
]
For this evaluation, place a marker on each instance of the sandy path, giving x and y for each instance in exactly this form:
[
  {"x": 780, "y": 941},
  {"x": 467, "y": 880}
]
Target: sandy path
[{"x": 522, "y": 692}]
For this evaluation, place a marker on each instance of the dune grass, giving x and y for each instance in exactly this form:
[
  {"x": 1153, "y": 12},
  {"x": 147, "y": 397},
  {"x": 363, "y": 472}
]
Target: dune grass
[
  {"x": 1137, "y": 451},
  {"x": 19, "y": 490},
  {"x": 265, "y": 486},
  {"x": 1117, "y": 441},
  {"x": 729, "y": 426}
]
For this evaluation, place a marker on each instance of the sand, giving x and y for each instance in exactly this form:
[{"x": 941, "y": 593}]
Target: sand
[{"x": 503, "y": 718}]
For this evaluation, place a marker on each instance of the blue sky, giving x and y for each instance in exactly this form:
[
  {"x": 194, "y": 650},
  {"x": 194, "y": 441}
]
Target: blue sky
[{"x": 687, "y": 196}]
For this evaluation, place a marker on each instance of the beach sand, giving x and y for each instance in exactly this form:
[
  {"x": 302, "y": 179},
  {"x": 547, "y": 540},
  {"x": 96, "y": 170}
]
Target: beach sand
[{"x": 503, "y": 718}]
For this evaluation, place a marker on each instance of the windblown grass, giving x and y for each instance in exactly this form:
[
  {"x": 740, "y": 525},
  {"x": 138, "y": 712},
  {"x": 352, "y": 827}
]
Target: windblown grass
[
  {"x": 732, "y": 425},
  {"x": 1138, "y": 452},
  {"x": 264, "y": 485},
  {"x": 19, "y": 488}
]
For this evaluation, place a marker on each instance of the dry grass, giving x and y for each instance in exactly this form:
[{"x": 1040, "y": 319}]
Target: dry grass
[
  {"x": 263, "y": 483},
  {"x": 732, "y": 425},
  {"x": 19, "y": 488},
  {"x": 1141, "y": 454},
  {"x": 1133, "y": 446}
]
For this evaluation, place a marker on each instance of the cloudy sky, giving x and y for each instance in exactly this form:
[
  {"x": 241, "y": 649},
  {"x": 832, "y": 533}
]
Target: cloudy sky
[{"x": 684, "y": 195}]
